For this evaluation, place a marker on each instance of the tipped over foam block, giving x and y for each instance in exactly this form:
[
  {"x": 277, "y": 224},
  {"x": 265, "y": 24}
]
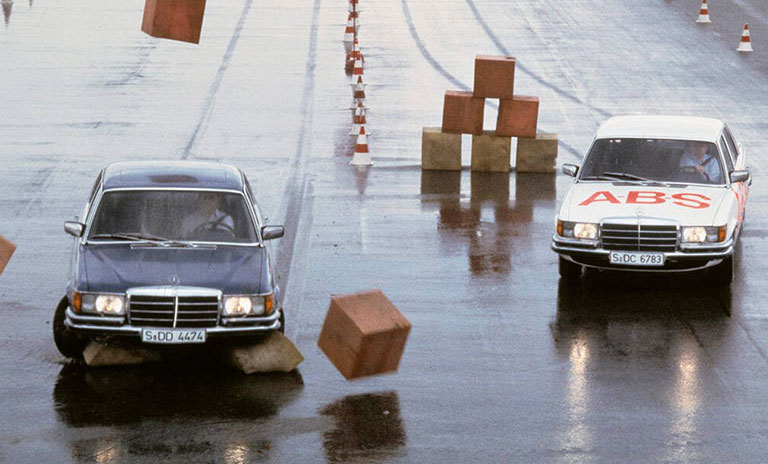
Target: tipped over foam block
[
  {"x": 274, "y": 354},
  {"x": 97, "y": 354}
]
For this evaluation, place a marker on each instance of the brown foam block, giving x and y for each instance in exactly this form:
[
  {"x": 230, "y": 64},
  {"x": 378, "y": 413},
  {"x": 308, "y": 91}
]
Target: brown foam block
[
  {"x": 538, "y": 154},
  {"x": 174, "y": 19},
  {"x": 462, "y": 113},
  {"x": 440, "y": 151},
  {"x": 363, "y": 334},
  {"x": 494, "y": 76},
  {"x": 491, "y": 152},
  {"x": 6, "y": 251},
  {"x": 518, "y": 116}
]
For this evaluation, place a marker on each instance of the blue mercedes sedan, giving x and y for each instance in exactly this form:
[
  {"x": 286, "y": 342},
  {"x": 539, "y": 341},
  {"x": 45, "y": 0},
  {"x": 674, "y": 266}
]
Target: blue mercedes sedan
[{"x": 169, "y": 252}]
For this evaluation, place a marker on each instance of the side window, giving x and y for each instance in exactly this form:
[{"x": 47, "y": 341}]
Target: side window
[
  {"x": 726, "y": 154},
  {"x": 731, "y": 143}
]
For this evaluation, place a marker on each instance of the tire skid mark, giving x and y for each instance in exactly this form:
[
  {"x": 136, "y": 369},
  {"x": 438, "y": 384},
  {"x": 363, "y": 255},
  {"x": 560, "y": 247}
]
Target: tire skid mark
[
  {"x": 496, "y": 41},
  {"x": 453, "y": 80},
  {"x": 208, "y": 106},
  {"x": 296, "y": 186}
]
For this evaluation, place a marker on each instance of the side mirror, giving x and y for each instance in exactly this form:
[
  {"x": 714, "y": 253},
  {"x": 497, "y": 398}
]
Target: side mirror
[
  {"x": 272, "y": 232},
  {"x": 74, "y": 229},
  {"x": 739, "y": 176},
  {"x": 570, "y": 170}
]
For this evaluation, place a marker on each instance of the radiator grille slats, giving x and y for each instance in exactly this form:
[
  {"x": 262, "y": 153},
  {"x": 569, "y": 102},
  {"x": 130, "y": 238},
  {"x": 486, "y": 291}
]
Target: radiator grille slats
[
  {"x": 634, "y": 237},
  {"x": 173, "y": 311}
]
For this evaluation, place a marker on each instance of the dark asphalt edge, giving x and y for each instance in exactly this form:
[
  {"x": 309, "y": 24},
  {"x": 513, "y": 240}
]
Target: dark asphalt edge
[
  {"x": 208, "y": 106},
  {"x": 451, "y": 78}
]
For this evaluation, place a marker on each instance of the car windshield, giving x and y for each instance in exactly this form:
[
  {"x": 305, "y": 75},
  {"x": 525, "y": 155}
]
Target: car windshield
[
  {"x": 654, "y": 160},
  {"x": 200, "y": 216}
]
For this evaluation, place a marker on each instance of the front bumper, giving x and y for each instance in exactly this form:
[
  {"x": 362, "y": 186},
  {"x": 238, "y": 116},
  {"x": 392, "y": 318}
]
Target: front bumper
[
  {"x": 110, "y": 325},
  {"x": 686, "y": 259}
]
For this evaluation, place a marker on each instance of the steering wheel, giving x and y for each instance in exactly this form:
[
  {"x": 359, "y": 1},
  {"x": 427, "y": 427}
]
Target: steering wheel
[
  {"x": 217, "y": 225},
  {"x": 691, "y": 170}
]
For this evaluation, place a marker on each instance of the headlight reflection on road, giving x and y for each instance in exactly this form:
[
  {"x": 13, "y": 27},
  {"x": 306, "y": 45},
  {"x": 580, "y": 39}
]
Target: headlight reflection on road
[
  {"x": 237, "y": 452},
  {"x": 578, "y": 435},
  {"x": 686, "y": 400},
  {"x": 109, "y": 451}
]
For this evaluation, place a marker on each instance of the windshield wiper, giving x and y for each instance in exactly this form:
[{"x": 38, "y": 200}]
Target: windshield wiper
[
  {"x": 143, "y": 238},
  {"x": 624, "y": 176}
]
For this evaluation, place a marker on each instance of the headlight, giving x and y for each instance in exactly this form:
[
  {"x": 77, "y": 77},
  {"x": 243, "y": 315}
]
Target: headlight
[
  {"x": 583, "y": 230},
  {"x": 111, "y": 305},
  {"x": 237, "y": 306},
  {"x": 244, "y": 305},
  {"x": 702, "y": 234}
]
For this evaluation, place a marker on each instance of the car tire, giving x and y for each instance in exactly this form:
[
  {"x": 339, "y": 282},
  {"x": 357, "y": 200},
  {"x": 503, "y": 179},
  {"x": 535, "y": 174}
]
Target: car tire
[
  {"x": 721, "y": 275},
  {"x": 69, "y": 343},
  {"x": 569, "y": 271},
  {"x": 282, "y": 321}
]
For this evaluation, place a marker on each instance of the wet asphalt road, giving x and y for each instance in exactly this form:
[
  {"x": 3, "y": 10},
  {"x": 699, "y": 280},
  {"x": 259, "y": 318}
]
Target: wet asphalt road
[{"x": 503, "y": 364}]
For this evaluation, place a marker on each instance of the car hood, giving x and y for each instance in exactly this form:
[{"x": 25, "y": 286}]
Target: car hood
[
  {"x": 688, "y": 205},
  {"x": 116, "y": 268}
]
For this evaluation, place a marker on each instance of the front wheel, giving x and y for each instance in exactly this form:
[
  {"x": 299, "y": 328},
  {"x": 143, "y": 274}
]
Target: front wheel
[
  {"x": 721, "y": 275},
  {"x": 67, "y": 341},
  {"x": 569, "y": 271}
]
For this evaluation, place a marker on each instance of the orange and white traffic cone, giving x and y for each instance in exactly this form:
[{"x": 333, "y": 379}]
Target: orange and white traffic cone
[
  {"x": 703, "y": 13},
  {"x": 352, "y": 57},
  {"x": 357, "y": 70},
  {"x": 358, "y": 96},
  {"x": 353, "y": 8},
  {"x": 356, "y": 53},
  {"x": 362, "y": 156},
  {"x": 358, "y": 104},
  {"x": 745, "y": 45},
  {"x": 349, "y": 35},
  {"x": 358, "y": 121}
]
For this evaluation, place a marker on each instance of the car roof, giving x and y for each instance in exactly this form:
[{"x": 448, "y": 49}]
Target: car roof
[
  {"x": 172, "y": 174},
  {"x": 661, "y": 127}
]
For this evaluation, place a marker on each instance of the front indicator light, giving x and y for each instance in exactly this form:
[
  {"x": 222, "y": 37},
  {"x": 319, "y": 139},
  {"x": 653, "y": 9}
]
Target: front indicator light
[
  {"x": 269, "y": 304},
  {"x": 77, "y": 301}
]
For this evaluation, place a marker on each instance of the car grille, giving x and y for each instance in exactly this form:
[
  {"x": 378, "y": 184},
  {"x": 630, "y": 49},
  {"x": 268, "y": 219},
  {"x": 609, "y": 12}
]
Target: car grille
[
  {"x": 173, "y": 311},
  {"x": 634, "y": 237}
]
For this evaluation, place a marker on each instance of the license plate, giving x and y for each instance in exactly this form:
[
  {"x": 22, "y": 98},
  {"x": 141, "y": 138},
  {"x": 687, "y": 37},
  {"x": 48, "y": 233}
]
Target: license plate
[
  {"x": 633, "y": 258},
  {"x": 173, "y": 335}
]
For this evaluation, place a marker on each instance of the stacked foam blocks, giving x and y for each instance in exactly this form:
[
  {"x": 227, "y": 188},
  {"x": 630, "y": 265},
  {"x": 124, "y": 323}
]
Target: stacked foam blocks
[{"x": 463, "y": 113}]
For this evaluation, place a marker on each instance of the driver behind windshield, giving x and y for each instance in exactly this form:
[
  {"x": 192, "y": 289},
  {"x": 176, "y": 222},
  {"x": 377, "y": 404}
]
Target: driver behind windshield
[
  {"x": 706, "y": 165},
  {"x": 206, "y": 217}
]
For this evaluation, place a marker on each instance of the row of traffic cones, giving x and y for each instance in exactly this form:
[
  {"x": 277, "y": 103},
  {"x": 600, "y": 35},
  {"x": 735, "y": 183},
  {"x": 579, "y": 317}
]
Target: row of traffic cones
[
  {"x": 745, "y": 45},
  {"x": 354, "y": 61}
]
